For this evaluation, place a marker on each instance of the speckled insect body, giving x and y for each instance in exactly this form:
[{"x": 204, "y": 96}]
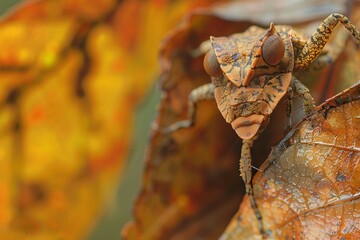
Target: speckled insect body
[
  {"x": 251, "y": 72},
  {"x": 250, "y": 88}
]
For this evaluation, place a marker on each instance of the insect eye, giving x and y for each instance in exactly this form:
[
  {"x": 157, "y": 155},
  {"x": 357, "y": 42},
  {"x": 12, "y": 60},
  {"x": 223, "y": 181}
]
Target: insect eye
[
  {"x": 273, "y": 50},
  {"x": 211, "y": 65}
]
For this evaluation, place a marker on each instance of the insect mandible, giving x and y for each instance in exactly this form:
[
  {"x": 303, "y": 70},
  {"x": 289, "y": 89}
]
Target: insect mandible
[{"x": 251, "y": 71}]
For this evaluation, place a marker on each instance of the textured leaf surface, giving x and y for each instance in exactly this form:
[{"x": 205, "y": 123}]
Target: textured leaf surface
[{"x": 308, "y": 188}]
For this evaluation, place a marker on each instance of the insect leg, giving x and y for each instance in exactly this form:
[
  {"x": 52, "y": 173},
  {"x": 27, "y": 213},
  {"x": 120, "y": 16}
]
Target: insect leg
[
  {"x": 332, "y": 53},
  {"x": 202, "y": 49},
  {"x": 204, "y": 92},
  {"x": 301, "y": 90},
  {"x": 245, "y": 173},
  {"x": 317, "y": 41},
  {"x": 288, "y": 108}
]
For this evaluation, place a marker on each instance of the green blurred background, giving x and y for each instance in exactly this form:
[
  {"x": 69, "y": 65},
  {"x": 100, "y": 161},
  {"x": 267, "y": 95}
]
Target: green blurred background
[
  {"x": 120, "y": 209},
  {"x": 6, "y": 4}
]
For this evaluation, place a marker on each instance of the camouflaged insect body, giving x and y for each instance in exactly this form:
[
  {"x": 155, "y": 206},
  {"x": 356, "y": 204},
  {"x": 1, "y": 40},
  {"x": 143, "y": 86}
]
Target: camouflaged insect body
[
  {"x": 251, "y": 88},
  {"x": 250, "y": 73}
]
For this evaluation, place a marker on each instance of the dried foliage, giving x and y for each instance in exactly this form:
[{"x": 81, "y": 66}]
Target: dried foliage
[
  {"x": 308, "y": 188},
  {"x": 72, "y": 74},
  {"x": 191, "y": 183}
]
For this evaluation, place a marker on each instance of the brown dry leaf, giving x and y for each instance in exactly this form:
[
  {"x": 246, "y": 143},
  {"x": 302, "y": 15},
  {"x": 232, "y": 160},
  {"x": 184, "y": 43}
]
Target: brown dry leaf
[
  {"x": 309, "y": 187},
  {"x": 191, "y": 184}
]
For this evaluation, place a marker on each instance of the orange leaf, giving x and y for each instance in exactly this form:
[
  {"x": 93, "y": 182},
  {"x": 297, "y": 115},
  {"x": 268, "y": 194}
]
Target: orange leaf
[{"x": 308, "y": 188}]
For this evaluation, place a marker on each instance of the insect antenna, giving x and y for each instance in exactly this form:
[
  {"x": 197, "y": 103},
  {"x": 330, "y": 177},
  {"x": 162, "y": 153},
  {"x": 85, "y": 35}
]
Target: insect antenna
[{"x": 257, "y": 169}]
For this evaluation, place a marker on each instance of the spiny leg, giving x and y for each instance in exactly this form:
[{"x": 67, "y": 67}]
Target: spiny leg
[
  {"x": 317, "y": 41},
  {"x": 289, "y": 108},
  {"x": 245, "y": 173},
  {"x": 332, "y": 53},
  {"x": 204, "y": 92},
  {"x": 300, "y": 89}
]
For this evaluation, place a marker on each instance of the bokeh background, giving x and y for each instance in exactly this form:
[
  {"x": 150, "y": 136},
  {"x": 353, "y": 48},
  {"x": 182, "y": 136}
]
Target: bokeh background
[
  {"x": 77, "y": 98},
  {"x": 51, "y": 181},
  {"x": 108, "y": 215}
]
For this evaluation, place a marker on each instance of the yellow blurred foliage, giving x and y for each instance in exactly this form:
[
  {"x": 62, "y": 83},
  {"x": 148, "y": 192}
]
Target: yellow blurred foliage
[{"x": 71, "y": 76}]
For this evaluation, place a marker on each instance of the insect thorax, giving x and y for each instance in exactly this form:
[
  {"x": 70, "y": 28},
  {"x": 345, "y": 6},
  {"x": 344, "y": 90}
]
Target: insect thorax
[{"x": 256, "y": 66}]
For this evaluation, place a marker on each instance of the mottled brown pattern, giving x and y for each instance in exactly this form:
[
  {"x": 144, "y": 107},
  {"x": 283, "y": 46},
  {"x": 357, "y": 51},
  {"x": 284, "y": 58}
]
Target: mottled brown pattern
[
  {"x": 320, "y": 37},
  {"x": 257, "y": 86},
  {"x": 253, "y": 73},
  {"x": 257, "y": 68},
  {"x": 309, "y": 187}
]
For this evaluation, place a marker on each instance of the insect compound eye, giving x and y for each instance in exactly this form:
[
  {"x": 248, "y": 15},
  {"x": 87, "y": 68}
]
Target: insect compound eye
[
  {"x": 211, "y": 65},
  {"x": 273, "y": 50}
]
